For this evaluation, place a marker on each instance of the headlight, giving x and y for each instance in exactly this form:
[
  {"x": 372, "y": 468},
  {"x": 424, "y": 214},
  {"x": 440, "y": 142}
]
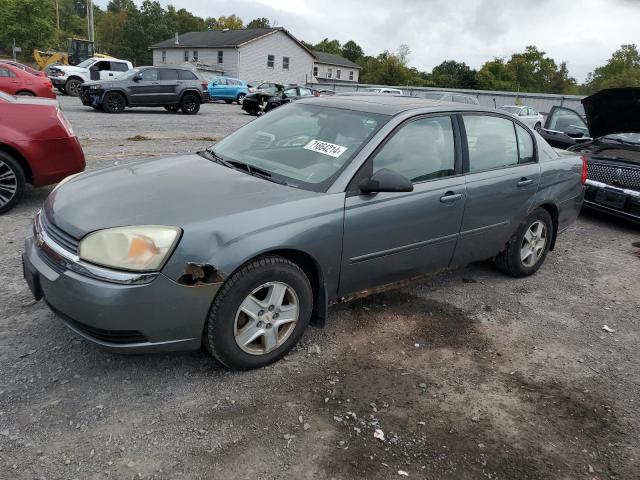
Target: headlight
[
  {"x": 141, "y": 248},
  {"x": 95, "y": 87}
]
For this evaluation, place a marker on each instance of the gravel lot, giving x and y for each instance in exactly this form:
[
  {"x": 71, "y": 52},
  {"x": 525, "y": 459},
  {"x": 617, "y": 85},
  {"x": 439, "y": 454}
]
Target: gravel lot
[{"x": 470, "y": 374}]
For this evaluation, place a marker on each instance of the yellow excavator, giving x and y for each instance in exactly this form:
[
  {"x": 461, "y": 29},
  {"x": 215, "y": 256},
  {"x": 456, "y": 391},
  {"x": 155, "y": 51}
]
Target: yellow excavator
[{"x": 78, "y": 50}]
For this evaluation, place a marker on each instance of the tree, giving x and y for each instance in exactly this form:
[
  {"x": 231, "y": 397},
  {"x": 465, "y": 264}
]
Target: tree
[
  {"x": 232, "y": 22},
  {"x": 621, "y": 70},
  {"x": 30, "y": 22},
  {"x": 352, "y": 51},
  {"x": 452, "y": 74},
  {"x": 328, "y": 46},
  {"x": 261, "y": 22},
  {"x": 117, "y": 6}
]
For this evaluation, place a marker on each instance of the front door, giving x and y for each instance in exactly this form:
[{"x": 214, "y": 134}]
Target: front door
[
  {"x": 390, "y": 236},
  {"x": 144, "y": 90},
  {"x": 564, "y": 127},
  {"x": 502, "y": 178}
]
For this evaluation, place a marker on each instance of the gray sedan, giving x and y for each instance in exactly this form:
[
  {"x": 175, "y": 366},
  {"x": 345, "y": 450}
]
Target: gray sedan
[{"x": 239, "y": 247}]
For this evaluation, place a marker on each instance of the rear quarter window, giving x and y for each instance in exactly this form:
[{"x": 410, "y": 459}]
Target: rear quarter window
[{"x": 187, "y": 75}]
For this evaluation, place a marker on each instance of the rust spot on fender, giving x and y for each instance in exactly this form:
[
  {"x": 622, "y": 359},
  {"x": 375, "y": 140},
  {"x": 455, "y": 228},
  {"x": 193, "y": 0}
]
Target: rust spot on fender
[{"x": 196, "y": 274}]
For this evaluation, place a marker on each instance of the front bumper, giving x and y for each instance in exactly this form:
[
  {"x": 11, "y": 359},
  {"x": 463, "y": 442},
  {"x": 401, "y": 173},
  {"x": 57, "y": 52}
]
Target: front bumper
[
  {"x": 620, "y": 202},
  {"x": 58, "y": 81},
  {"x": 121, "y": 312}
]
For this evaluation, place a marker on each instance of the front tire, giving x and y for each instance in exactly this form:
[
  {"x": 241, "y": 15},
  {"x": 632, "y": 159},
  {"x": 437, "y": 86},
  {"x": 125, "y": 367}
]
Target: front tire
[
  {"x": 240, "y": 99},
  {"x": 26, "y": 93},
  {"x": 12, "y": 182},
  {"x": 527, "y": 250},
  {"x": 259, "y": 314},
  {"x": 114, "y": 102},
  {"x": 190, "y": 104},
  {"x": 73, "y": 87}
]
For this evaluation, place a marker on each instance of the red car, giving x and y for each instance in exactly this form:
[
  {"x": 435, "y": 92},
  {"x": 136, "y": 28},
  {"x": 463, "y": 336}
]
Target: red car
[
  {"x": 16, "y": 81},
  {"x": 37, "y": 146},
  {"x": 26, "y": 68}
]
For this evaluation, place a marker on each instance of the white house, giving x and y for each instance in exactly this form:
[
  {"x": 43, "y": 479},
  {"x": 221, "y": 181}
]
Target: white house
[
  {"x": 330, "y": 68},
  {"x": 249, "y": 54}
]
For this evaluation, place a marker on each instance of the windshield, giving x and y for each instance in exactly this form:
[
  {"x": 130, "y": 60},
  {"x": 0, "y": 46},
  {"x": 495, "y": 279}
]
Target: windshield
[
  {"x": 130, "y": 73},
  {"x": 514, "y": 110},
  {"x": 631, "y": 138},
  {"x": 303, "y": 145},
  {"x": 87, "y": 63}
]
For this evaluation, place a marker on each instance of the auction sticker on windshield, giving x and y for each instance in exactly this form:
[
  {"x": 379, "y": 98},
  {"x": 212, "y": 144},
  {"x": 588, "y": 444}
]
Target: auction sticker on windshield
[{"x": 325, "y": 148}]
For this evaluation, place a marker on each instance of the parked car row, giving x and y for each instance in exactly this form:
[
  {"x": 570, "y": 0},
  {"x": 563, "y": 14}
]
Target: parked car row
[{"x": 18, "y": 79}]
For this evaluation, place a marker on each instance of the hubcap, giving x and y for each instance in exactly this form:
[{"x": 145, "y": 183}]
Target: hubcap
[
  {"x": 266, "y": 318},
  {"x": 74, "y": 87},
  {"x": 8, "y": 184},
  {"x": 533, "y": 244}
]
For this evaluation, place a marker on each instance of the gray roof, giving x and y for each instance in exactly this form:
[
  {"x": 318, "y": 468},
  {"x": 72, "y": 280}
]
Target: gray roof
[
  {"x": 332, "y": 59},
  {"x": 221, "y": 38}
]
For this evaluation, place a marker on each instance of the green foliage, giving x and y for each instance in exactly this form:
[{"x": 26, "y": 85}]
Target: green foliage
[
  {"x": 328, "y": 46},
  {"x": 352, "y": 51},
  {"x": 29, "y": 22},
  {"x": 231, "y": 22},
  {"x": 452, "y": 74},
  {"x": 621, "y": 70},
  {"x": 261, "y": 22}
]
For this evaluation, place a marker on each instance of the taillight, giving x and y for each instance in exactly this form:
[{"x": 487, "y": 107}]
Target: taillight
[
  {"x": 205, "y": 85},
  {"x": 65, "y": 123},
  {"x": 585, "y": 170}
]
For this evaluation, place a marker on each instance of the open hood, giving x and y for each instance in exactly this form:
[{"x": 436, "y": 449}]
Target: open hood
[{"x": 614, "y": 110}]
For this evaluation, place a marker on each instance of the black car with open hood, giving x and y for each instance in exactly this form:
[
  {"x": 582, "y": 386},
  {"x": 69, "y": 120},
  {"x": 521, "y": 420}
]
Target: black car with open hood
[{"x": 610, "y": 141}]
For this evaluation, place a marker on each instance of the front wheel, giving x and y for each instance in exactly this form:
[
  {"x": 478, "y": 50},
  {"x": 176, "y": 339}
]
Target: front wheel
[
  {"x": 240, "y": 99},
  {"x": 259, "y": 314},
  {"x": 527, "y": 250},
  {"x": 26, "y": 93},
  {"x": 190, "y": 104},
  {"x": 12, "y": 182},
  {"x": 73, "y": 87},
  {"x": 114, "y": 102}
]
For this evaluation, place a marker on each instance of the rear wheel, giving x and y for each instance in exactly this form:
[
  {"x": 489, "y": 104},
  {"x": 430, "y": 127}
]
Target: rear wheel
[
  {"x": 172, "y": 108},
  {"x": 26, "y": 93},
  {"x": 190, "y": 104},
  {"x": 12, "y": 182},
  {"x": 259, "y": 314},
  {"x": 73, "y": 87},
  {"x": 240, "y": 99},
  {"x": 114, "y": 102},
  {"x": 527, "y": 250}
]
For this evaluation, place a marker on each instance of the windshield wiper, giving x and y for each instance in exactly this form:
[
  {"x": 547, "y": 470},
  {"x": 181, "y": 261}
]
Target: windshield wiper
[
  {"x": 621, "y": 141},
  {"x": 250, "y": 169}
]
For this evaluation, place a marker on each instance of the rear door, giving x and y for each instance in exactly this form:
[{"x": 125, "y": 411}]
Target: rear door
[
  {"x": 564, "y": 127},
  {"x": 169, "y": 86},
  {"x": 502, "y": 176},
  {"x": 390, "y": 236}
]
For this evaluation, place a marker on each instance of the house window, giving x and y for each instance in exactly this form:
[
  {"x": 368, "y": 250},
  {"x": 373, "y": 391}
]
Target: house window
[
  {"x": 351, "y": 75},
  {"x": 285, "y": 63},
  {"x": 220, "y": 56},
  {"x": 338, "y": 72},
  {"x": 195, "y": 55},
  {"x": 329, "y": 72},
  {"x": 164, "y": 56},
  {"x": 186, "y": 55},
  {"x": 315, "y": 71},
  {"x": 271, "y": 59}
]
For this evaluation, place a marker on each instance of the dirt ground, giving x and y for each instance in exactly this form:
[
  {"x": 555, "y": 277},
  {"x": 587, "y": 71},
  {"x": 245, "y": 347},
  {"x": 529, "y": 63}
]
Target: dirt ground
[{"x": 469, "y": 374}]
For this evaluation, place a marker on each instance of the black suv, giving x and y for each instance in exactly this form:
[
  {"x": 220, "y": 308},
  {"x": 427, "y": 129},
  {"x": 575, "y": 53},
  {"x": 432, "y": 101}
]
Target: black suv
[{"x": 173, "y": 88}]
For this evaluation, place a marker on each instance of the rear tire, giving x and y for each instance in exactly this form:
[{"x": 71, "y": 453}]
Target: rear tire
[
  {"x": 26, "y": 93},
  {"x": 73, "y": 87},
  {"x": 241, "y": 341},
  {"x": 172, "y": 108},
  {"x": 190, "y": 104},
  {"x": 12, "y": 182},
  {"x": 527, "y": 249},
  {"x": 114, "y": 102}
]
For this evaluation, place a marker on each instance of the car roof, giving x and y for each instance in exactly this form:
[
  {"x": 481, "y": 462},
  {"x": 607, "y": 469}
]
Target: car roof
[{"x": 388, "y": 104}]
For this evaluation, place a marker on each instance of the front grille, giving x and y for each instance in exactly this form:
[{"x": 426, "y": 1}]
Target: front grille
[
  {"x": 58, "y": 235},
  {"x": 111, "y": 336},
  {"x": 623, "y": 177}
]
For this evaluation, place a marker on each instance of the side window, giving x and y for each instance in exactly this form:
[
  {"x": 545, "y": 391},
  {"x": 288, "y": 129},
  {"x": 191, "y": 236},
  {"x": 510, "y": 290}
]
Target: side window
[
  {"x": 186, "y": 55},
  {"x": 149, "y": 75},
  {"x": 195, "y": 55},
  {"x": 291, "y": 92},
  {"x": 222, "y": 81},
  {"x": 220, "y": 56},
  {"x": 492, "y": 142},
  {"x": 567, "y": 121},
  {"x": 305, "y": 92},
  {"x": 5, "y": 72},
  {"x": 186, "y": 75},
  {"x": 285, "y": 63},
  {"x": 168, "y": 74},
  {"x": 119, "y": 67},
  {"x": 421, "y": 150},
  {"x": 525, "y": 145},
  {"x": 271, "y": 59},
  {"x": 315, "y": 71},
  {"x": 102, "y": 65}
]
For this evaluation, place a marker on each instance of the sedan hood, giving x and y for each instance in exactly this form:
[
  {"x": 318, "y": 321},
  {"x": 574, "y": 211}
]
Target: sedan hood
[
  {"x": 614, "y": 110},
  {"x": 173, "y": 191}
]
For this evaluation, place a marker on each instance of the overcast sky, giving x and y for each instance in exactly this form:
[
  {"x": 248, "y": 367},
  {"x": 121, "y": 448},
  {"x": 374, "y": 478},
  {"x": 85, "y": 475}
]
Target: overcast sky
[{"x": 582, "y": 32}]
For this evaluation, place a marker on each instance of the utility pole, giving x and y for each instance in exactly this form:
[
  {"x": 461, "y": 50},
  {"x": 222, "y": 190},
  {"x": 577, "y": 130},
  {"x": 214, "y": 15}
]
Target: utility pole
[
  {"x": 90, "y": 32},
  {"x": 58, "y": 15}
]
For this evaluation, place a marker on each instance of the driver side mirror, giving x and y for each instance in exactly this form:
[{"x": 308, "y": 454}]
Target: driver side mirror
[
  {"x": 385, "y": 180},
  {"x": 137, "y": 78}
]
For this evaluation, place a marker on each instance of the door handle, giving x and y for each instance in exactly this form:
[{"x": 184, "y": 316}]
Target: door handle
[
  {"x": 450, "y": 197},
  {"x": 524, "y": 182}
]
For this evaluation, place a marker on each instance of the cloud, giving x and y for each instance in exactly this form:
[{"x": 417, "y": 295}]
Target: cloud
[{"x": 583, "y": 32}]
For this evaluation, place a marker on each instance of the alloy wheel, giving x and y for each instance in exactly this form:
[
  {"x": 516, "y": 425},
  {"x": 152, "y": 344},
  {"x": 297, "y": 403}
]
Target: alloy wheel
[
  {"x": 266, "y": 318},
  {"x": 189, "y": 105},
  {"x": 533, "y": 244},
  {"x": 73, "y": 87},
  {"x": 8, "y": 184}
]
